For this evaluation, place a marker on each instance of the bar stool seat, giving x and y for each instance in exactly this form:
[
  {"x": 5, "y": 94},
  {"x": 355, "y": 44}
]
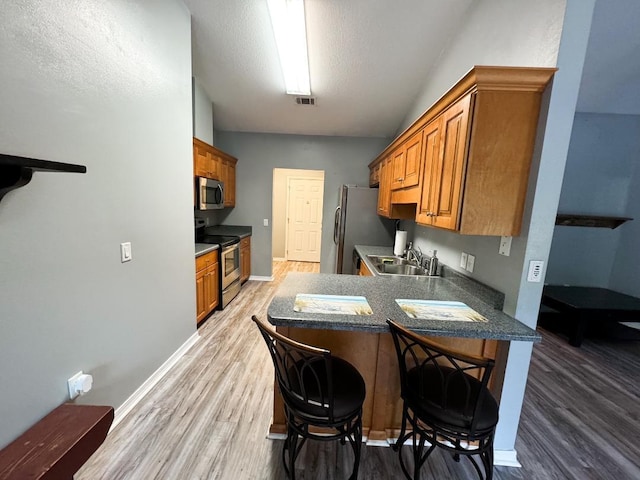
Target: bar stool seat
[
  {"x": 318, "y": 390},
  {"x": 446, "y": 402}
]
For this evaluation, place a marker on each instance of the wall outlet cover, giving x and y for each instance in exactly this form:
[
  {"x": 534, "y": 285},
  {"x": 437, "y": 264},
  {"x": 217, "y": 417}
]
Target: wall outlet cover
[
  {"x": 471, "y": 261},
  {"x": 535, "y": 271},
  {"x": 505, "y": 246},
  {"x": 463, "y": 260}
]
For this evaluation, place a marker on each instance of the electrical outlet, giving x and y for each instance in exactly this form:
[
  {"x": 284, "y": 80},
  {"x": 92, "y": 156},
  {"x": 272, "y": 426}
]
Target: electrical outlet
[
  {"x": 505, "y": 246},
  {"x": 535, "y": 271},
  {"x": 265, "y": 222},
  {"x": 463, "y": 260},
  {"x": 125, "y": 252},
  {"x": 471, "y": 260}
]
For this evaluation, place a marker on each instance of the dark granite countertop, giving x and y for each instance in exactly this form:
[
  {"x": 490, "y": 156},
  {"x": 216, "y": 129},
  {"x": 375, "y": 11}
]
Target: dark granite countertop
[
  {"x": 202, "y": 248},
  {"x": 238, "y": 230},
  {"x": 381, "y": 293}
]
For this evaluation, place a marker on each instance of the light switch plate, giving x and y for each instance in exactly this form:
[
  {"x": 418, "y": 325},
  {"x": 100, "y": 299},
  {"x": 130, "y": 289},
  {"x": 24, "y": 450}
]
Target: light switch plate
[
  {"x": 505, "y": 246},
  {"x": 125, "y": 252},
  {"x": 265, "y": 222},
  {"x": 463, "y": 260},
  {"x": 471, "y": 260}
]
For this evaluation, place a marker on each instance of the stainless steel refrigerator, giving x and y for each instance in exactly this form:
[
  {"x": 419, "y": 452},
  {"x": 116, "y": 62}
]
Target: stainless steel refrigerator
[{"x": 357, "y": 222}]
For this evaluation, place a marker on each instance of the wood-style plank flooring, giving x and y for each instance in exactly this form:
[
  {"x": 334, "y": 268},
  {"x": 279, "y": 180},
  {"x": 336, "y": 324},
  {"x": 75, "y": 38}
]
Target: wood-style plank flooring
[{"x": 208, "y": 417}]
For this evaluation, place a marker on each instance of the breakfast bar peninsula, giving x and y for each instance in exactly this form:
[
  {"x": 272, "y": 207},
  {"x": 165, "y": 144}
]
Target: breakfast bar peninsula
[{"x": 347, "y": 315}]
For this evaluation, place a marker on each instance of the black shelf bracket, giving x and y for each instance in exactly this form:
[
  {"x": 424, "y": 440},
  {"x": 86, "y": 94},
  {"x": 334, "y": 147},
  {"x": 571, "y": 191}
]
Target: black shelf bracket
[{"x": 16, "y": 172}]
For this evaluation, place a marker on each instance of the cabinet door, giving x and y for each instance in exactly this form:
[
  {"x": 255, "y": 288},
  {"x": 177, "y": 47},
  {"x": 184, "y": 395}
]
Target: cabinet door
[
  {"x": 397, "y": 168},
  {"x": 211, "y": 286},
  {"x": 374, "y": 175},
  {"x": 432, "y": 158},
  {"x": 413, "y": 160},
  {"x": 201, "y": 300},
  {"x": 384, "y": 191},
  {"x": 364, "y": 271},
  {"x": 449, "y": 171},
  {"x": 199, "y": 161},
  {"x": 230, "y": 198},
  {"x": 245, "y": 258}
]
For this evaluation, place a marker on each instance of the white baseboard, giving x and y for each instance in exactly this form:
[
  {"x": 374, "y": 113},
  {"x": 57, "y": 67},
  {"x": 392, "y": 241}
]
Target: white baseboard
[
  {"x": 279, "y": 259},
  {"x": 259, "y": 278},
  {"x": 506, "y": 458},
  {"x": 150, "y": 382}
]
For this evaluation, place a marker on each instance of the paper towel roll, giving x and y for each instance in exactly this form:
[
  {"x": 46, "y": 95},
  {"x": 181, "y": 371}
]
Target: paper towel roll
[{"x": 400, "y": 243}]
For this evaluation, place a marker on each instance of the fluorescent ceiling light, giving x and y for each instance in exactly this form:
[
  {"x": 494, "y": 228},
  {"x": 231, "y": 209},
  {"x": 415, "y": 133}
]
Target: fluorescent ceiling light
[{"x": 287, "y": 19}]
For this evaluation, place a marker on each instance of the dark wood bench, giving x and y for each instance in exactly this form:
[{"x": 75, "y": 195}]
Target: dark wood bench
[{"x": 58, "y": 445}]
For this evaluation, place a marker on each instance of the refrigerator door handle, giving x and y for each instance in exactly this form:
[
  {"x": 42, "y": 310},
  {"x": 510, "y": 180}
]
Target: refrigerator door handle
[{"x": 336, "y": 225}]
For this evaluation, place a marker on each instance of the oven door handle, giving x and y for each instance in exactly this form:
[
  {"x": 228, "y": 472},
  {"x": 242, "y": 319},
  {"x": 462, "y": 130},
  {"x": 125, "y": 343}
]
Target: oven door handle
[{"x": 336, "y": 224}]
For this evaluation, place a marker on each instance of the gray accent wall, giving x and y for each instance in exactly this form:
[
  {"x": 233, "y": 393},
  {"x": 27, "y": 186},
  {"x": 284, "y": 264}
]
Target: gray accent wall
[
  {"x": 601, "y": 178},
  {"x": 343, "y": 160},
  {"x": 517, "y": 33},
  {"x": 107, "y": 85}
]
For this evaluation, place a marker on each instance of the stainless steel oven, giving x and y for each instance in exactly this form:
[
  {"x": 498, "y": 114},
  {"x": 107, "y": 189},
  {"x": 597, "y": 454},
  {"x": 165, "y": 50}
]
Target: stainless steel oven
[
  {"x": 229, "y": 263},
  {"x": 230, "y": 273}
]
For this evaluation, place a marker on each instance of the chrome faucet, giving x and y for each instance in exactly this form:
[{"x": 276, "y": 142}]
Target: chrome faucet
[{"x": 414, "y": 255}]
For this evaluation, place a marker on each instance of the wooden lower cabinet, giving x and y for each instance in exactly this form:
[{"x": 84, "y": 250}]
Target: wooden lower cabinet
[
  {"x": 207, "y": 285},
  {"x": 374, "y": 356},
  {"x": 364, "y": 270},
  {"x": 245, "y": 259}
]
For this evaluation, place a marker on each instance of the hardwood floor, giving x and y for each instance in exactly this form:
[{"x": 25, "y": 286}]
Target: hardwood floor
[{"x": 208, "y": 417}]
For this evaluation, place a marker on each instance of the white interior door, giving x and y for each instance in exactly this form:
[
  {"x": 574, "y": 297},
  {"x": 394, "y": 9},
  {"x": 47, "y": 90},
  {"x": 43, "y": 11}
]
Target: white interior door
[{"x": 304, "y": 219}]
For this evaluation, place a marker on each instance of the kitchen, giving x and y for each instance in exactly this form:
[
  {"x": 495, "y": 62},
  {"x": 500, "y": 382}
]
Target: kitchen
[{"x": 119, "y": 311}]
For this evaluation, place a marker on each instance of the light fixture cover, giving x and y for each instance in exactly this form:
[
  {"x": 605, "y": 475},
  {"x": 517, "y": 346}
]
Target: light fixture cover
[{"x": 288, "y": 21}]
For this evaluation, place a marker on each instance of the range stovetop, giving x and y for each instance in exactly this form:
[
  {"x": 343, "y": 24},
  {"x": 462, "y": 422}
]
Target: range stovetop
[{"x": 222, "y": 240}]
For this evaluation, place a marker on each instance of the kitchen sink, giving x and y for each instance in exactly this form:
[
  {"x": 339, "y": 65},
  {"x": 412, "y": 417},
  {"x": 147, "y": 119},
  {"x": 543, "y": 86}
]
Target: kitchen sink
[
  {"x": 400, "y": 269},
  {"x": 392, "y": 265},
  {"x": 388, "y": 260}
]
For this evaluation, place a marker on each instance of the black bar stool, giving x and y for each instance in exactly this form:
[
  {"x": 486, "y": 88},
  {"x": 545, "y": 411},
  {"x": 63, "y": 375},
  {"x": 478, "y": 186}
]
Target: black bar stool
[
  {"x": 319, "y": 390},
  {"x": 445, "y": 400}
]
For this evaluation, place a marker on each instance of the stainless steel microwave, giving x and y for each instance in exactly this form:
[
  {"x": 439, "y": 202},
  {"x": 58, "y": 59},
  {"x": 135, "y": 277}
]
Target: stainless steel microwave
[{"x": 209, "y": 194}]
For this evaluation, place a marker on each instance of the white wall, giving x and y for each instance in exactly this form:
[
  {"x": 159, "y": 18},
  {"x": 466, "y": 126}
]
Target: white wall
[
  {"x": 343, "y": 159},
  {"x": 516, "y": 33},
  {"x": 601, "y": 167},
  {"x": 202, "y": 113},
  {"x": 106, "y": 85}
]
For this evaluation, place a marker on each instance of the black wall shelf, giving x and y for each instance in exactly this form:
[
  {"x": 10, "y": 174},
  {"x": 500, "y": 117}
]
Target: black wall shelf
[
  {"x": 16, "y": 172},
  {"x": 571, "y": 220}
]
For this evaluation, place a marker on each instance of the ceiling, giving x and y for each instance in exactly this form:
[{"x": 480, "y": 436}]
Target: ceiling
[{"x": 369, "y": 61}]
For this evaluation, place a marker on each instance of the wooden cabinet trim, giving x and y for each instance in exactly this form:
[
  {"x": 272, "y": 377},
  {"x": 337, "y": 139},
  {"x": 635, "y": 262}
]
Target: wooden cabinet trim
[{"x": 479, "y": 78}]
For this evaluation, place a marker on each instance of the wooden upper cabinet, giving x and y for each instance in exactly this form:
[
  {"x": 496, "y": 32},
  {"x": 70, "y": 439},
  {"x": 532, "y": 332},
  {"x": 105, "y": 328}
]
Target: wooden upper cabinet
[
  {"x": 374, "y": 175},
  {"x": 432, "y": 160},
  {"x": 384, "y": 191},
  {"x": 413, "y": 160},
  {"x": 476, "y": 146},
  {"x": 228, "y": 178},
  {"x": 210, "y": 162},
  {"x": 445, "y": 139},
  {"x": 398, "y": 161},
  {"x": 406, "y": 163}
]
